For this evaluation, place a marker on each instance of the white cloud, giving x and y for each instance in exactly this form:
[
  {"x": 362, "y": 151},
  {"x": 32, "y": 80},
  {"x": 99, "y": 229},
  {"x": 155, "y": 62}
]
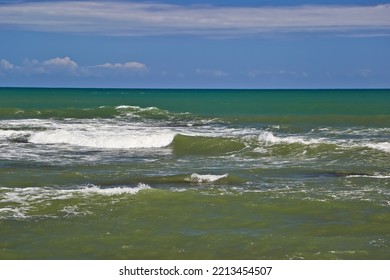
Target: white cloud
[
  {"x": 67, "y": 66},
  {"x": 364, "y": 73},
  {"x": 6, "y": 65},
  {"x": 116, "y": 69},
  {"x": 211, "y": 73},
  {"x": 54, "y": 66},
  {"x": 129, "y": 18},
  {"x": 367, "y": 72},
  {"x": 125, "y": 66},
  {"x": 60, "y": 62},
  {"x": 277, "y": 73}
]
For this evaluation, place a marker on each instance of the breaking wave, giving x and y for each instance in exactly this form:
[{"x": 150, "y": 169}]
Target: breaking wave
[
  {"x": 105, "y": 139},
  {"x": 205, "y": 178},
  {"x": 134, "y": 127}
]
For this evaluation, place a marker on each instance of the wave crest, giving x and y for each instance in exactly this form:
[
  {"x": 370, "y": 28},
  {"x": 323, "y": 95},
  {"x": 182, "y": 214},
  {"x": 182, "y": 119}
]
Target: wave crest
[
  {"x": 206, "y": 178},
  {"x": 105, "y": 139}
]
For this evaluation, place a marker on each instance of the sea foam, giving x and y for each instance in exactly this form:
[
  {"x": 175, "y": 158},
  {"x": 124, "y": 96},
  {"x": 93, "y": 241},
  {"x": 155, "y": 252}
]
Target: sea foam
[
  {"x": 36, "y": 194},
  {"x": 26, "y": 199},
  {"x": 114, "y": 191}
]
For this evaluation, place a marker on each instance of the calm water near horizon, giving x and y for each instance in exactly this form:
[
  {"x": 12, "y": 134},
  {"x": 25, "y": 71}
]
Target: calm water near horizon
[{"x": 194, "y": 174}]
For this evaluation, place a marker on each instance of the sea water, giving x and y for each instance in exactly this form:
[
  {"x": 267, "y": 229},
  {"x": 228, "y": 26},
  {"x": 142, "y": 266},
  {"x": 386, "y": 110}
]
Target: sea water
[{"x": 194, "y": 174}]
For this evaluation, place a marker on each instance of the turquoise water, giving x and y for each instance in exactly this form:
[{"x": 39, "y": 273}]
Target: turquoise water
[{"x": 194, "y": 174}]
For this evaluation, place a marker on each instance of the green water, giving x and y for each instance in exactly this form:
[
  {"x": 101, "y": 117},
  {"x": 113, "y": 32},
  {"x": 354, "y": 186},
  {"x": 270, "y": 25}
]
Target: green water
[{"x": 194, "y": 174}]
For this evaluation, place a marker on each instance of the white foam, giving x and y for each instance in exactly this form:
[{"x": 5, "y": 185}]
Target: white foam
[
  {"x": 127, "y": 107},
  {"x": 36, "y": 195},
  {"x": 10, "y": 134},
  {"x": 17, "y": 213},
  {"x": 383, "y": 146},
  {"x": 32, "y": 123},
  {"x": 369, "y": 176},
  {"x": 96, "y": 133},
  {"x": 111, "y": 139},
  {"x": 137, "y": 109},
  {"x": 260, "y": 150},
  {"x": 114, "y": 191},
  {"x": 73, "y": 210},
  {"x": 207, "y": 178},
  {"x": 268, "y": 137},
  {"x": 23, "y": 200}
]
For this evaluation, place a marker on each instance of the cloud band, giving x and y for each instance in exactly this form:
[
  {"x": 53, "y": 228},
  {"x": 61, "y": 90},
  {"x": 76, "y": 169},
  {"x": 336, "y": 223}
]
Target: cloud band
[{"x": 137, "y": 19}]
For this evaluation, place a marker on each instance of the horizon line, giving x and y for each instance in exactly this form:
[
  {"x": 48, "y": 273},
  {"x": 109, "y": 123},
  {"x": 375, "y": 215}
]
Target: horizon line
[{"x": 187, "y": 88}]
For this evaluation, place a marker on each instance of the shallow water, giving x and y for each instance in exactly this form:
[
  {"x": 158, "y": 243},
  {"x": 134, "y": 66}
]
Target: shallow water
[{"x": 194, "y": 174}]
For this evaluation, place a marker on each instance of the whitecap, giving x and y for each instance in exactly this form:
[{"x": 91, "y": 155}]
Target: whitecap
[
  {"x": 7, "y": 134},
  {"x": 206, "y": 178},
  {"x": 383, "y": 146},
  {"x": 369, "y": 176},
  {"x": 114, "y": 191},
  {"x": 109, "y": 139}
]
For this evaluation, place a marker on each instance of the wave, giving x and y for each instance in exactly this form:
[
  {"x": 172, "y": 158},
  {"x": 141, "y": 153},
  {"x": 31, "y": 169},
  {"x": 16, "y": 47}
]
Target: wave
[
  {"x": 9, "y": 134},
  {"x": 47, "y": 113},
  {"x": 378, "y": 176},
  {"x": 94, "y": 133},
  {"x": 29, "y": 194},
  {"x": 269, "y": 138},
  {"x": 206, "y": 178},
  {"x": 321, "y": 144},
  {"x": 109, "y": 112},
  {"x": 182, "y": 142},
  {"x": 14, "y": 136},
  {"x": 146, "y": 112},
  {"x": 181, "y": 181},
  {"x": 105, "y": 139},
  {"x": 161, "y": 116},
  {"x": 383, "y": 146},
  {"x": 113, "y": 190},
  {"x": 207, "y": 140}
]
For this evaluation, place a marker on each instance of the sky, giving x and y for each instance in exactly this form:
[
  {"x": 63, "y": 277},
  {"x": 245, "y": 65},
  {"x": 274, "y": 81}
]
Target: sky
[{"x": 195, "y": 44}]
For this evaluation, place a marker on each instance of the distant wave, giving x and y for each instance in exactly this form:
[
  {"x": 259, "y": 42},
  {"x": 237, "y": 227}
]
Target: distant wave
[{"x": 110, "y": 112}]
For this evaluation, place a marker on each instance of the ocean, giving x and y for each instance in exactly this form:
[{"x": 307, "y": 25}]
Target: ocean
[{"x": 194, "y": 174}]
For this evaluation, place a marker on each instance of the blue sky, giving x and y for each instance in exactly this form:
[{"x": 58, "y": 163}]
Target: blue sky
[{"x": 195, "y": 44}]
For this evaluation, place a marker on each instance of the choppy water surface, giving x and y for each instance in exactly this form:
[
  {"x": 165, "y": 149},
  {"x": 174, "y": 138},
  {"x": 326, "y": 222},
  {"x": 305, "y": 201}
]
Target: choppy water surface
[{"x": 186, "y": 174}]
